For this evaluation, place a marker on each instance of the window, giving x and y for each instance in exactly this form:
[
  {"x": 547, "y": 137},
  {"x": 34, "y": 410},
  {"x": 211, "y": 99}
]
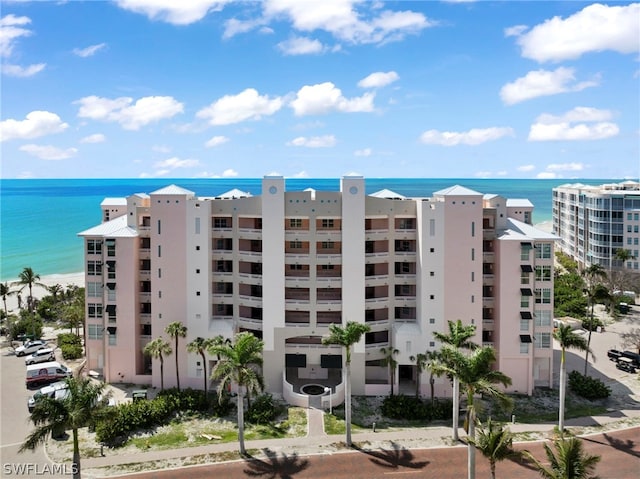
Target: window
[
  {"x": 94, "y": 268},
  {"x": 111, "y": 247},
  {"x": 95, "y": 331},
  {"x": 543, "y": 318},
  {"x": 432, "y": 320},
  {"x": 524, "y": 278},
  {"x": 473, "y": 228},
  {"x": 159, "y": 251},
  {"x": 159, "y": 227},
  {"x": 327, "y": 266},
  {"x": 543, "y": 295},
  {"x": 542, "y": 341},
  {"x": 94, "y": 310},
  {"x": 327, "y": 223},
  {"x": 94, "y": 290},
  {"x": 197, "y": 226},
  {"x": 543, "y": 273},
  {"x": 113, "y": 340},
  {"x": 111, "y": 294},
  {"x": 295, "y": 223},
  {"x": 524, "y": 348},
  {"x": 432, "y": 228},
  {"x": 473, "y": 254},
  {"x": 221, "y": 222},
  {"x": 327, "y": 244},
  {"x": 295, "y": 244},
  {"x": 524, "y": 252},
  {"x": 94, "y": 247},
  {"x": 543, "y": 251},
  {"x": 295, "y": 267},
  {"x": 524, "y": 325},
  {"x": 524, "y": 301},
  {"x": 406, "y": 224}
]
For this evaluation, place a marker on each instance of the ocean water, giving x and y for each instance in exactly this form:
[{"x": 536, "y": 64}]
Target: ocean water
[{"x": 40, "y": 219}]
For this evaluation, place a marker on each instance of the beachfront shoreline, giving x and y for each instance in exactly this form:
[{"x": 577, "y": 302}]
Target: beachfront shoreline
[{"x": 64, "y": 280}]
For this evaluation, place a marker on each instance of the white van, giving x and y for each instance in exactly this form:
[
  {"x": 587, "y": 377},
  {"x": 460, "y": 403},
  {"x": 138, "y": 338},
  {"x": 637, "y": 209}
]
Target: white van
[{"x": 46, "y": 372}]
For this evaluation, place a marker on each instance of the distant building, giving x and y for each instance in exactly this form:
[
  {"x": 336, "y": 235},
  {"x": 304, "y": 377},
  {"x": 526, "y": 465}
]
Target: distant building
[
  {"x": 593, "y": 222},
  {"x": 287, "y": 264}
]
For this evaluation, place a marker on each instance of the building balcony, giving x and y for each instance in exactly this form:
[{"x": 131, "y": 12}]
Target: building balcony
[
  {"x": 252, "y": 301},
  {"x": 144, "y": 274},
  {"x": 329, "y": 282},
  {"x": 328, "y": 306},
  {"x": 487, "y": 302},
  {"x": 296, "y": 302},
  {"x": 296, "y": 256},
  {"x": 144, "y": 229},
  {"x": 370, "y": 302},
  {"x": 250, "y": 323},
  {"x": 378, "y": 280},
  {"x": 488, "y": 257},
  {"x": 246, "y": 277},
  {"x": 221, "y": 232},
  {"x": 331, "y": 258},
  {"x": 144, "y": 296},
  {"x": 487, "y": 325},
  {"x": 222, "y": 254},
  {"x": 405, "y": 234},
  {"x": 406, "y": 255},
  {"x": 374, "y": 235},
  {"x": 249, "y": 255},
  {"x": 249, "y": 234},
  {"x": 329, "y": 235},
  {"x": 376, "y": 257},
  {"x": 487, "y": 344}
]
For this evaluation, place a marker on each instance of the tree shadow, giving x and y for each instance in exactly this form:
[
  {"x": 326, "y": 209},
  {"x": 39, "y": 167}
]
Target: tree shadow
[
  {"x": 283, "y": 467},
  {"x": 395, "y": 458},
  {"x": 619, "y": 444}
]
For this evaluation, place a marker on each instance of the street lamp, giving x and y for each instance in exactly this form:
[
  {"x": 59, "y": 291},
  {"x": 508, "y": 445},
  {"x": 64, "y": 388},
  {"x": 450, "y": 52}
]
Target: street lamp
[{"x": 328, "y": 391}]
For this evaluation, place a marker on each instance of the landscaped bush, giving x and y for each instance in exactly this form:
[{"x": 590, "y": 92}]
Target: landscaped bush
[
  {"x": 70, "y": 345},
  {"x": 126, "y": 418},
  {"x": 588, "y": 387},
  {"x": 264, "y": 410},
  {"x": 404, "y": 407}
]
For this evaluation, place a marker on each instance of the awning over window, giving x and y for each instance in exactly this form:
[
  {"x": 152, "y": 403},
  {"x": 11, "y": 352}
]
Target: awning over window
[
  {"x": 525, "y": 315},
  {"x": 525, "y": 338},
  {"x": 526, "y": 291},
  {"x": 110, "y": 308},
  {"x": 111, "y": 286},
  {"x": 111, "y": 265},
  {"x": 526, "y": 244},
  {"x": 526, "y": 268},
  {"x": 111, "y": 329}
]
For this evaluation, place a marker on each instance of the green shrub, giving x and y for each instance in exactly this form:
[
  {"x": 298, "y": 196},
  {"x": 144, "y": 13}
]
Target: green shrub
[
  {"x": 402, "y": 407},
  {"x": 264, "y": 410},
  {"x": 588, "y": 387},
  {"x": 71, "y": 351},
  {"x": 68, "y": 338}
]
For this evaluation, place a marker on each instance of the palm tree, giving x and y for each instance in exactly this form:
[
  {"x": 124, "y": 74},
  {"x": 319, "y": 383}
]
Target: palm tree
[
  {"x": 76, "y": 410},
  {"x": 595, "y": 292},
  {"x": 567, "y": 339},
  {"x": 28, "y": 278},
  {"x": 458, "y": 338},
  {"x": 569, "y": 462},
  {"x": 200, "y": 346},
  {"x": 426, "y": 361},
  {"x": 55, "y": 290},
  {"x": 238, "y": 364},
  {"x": 389, "y": 362},
  {"x": 5, "y": 290},
  {"x": 495, "y": 442},
  {"x": 176, "y": 330},
  {"x": 346, "y": 337},
  {"x": 476, "y": 376},
  {"x": 158, "y": 349}
]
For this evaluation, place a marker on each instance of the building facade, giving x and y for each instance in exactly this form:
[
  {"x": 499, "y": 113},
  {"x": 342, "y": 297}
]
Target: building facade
[
  {"x": 285, "y": 265},
  {"x": 593, "y": 222}
]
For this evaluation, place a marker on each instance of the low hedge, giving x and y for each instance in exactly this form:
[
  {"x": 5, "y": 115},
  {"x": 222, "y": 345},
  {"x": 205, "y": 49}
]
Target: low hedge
[
  {"x": 403, "y": 407},
  {"x": 588, "y": 387}
]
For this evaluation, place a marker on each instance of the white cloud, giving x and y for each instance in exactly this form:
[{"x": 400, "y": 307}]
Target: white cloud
[
  {"x": 10, "y": 30},
  {"x": 546, "y": 175},
  {"x": 88, "y": 51},
  {"x": 595, "y": 28},
  {"x": 474, "y": 136},
  {"x": 526, "y": 168},
  {"x": 581, "y": 123},
  {"x": 542, "y": 83},
  {"x": 326, "y": 97},
  {"x": 175, "y": 162},
  {"x": 95, "y": 138},
  {"x": 171, "y": 11},
  {"x": 515, "y": 31},
  {"x": 301, "y": 174},
  {"x": 229, "y": 173},
  {"x": 565, "y": 167},
  {"x": 48, "y": 152},
  {"x": 131, "y": 116},
  {"x": 324, "y": 141},
  {"x": 216, "y": 141},
  {"x": 378, "y": 79},
  {"x": 301, "y": 46},
  {"x": 36, "y": 124},
  {"x": 160, "y": 148},
  {"x": 247, "y": 105},
  {"x": 340, "y": 18},
  {"x": 22, "y": 72},
  {"x": 234, "y": 26},
  {"x": 363, "y": 152}
]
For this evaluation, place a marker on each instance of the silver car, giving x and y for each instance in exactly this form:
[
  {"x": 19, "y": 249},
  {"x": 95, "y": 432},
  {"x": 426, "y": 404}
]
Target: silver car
[
  {"x": 40, "y": 356},
  {"x": 48, "y": 391},
  {"x": 30, "y": 347}
]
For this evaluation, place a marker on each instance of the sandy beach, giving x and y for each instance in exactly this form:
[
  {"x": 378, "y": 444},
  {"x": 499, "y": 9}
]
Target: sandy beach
[{"x": 64, "y": 280}]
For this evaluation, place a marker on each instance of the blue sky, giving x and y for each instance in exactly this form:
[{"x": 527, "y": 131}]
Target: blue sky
[{"x": 204, "y": 88}]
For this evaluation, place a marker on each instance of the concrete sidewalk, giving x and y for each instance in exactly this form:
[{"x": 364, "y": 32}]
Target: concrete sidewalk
[{"x": 318, "y": 442}]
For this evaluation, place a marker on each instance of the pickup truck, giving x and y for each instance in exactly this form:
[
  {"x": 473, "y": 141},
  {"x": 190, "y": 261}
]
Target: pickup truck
[{"x": 614, "y": 354}]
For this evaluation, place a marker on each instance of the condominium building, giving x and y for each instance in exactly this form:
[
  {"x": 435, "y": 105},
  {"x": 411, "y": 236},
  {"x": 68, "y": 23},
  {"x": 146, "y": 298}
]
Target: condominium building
[
  {"x": 593, "y": 222},
  {"x": 285, "y": 265}
]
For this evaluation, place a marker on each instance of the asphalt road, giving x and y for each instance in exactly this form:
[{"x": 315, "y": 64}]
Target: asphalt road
[
  {"x": 620, "y": 453},
  {"x": 15, "y": 425}
]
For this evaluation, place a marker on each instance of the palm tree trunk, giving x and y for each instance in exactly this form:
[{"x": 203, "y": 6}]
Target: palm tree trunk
[
  {"x": 456, "y": 407},
  {"x": 586, "y": 354},
  {"x": 492, "y": 465},
  {"x": 471, "y": 456},
  {"x": 563, "y": 373},
  {"x": 75, "y": 468},
  {"x": 347, "y": 404},
  {"x": 431, "y": 383},
  {"x": 417, "y": 384},
  {"x": 177, "y": 370},
  {"x": 204, "y": 365},
  {"x": 161, "y": 374},
  {"x": 240, "y": 406}
]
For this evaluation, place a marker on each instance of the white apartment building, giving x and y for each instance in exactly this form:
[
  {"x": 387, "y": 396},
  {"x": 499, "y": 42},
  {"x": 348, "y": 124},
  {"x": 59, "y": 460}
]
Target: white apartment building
[
  {"x": 593, "y": 222},
  {"x": 287, "y": 264}
]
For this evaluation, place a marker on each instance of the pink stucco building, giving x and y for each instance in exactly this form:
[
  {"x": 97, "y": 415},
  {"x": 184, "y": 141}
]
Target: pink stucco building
[{"x": 287, "y": 264}]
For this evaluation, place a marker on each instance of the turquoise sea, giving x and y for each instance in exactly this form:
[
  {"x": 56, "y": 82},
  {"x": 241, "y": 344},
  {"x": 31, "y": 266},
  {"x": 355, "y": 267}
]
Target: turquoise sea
[{"x": 40, "y": 219}]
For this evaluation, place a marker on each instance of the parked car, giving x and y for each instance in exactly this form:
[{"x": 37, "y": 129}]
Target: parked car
[
  {"x": 46, "y": 373},
  {"x": 626, "y": 364},
  {"x": 48, "y": 391},
  {"x": 40, "y": 356},
  {"x": 30, "y": 347},
  {"x": 614, "y": 354},
  {"x": 634, "y": 357}
]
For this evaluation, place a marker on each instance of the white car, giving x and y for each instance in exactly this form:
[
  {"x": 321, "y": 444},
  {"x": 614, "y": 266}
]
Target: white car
[
  {"x": 30, "y": 347},
  {"x": 40, "y": 356},
  {"x": 49, "y": 391}
]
